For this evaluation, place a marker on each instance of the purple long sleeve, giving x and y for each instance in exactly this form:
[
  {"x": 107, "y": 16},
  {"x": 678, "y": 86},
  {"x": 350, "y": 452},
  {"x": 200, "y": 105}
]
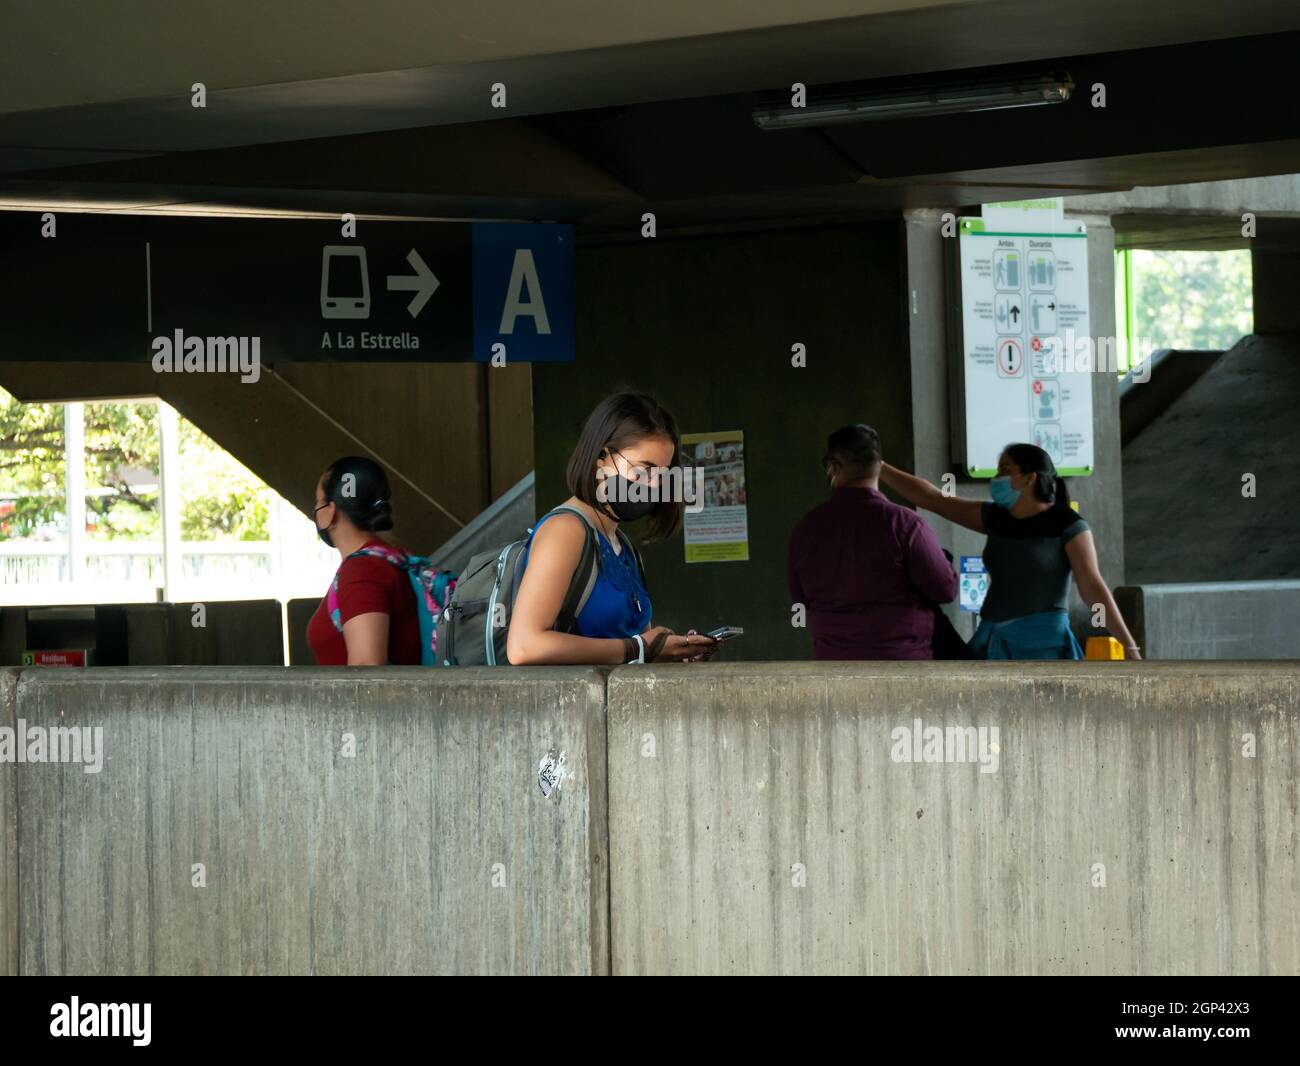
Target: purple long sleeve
[{"x": 869, "y": 573}]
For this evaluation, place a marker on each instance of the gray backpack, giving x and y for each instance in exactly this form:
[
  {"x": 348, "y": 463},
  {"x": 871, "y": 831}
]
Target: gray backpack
[{"x": 485, "y": 594}]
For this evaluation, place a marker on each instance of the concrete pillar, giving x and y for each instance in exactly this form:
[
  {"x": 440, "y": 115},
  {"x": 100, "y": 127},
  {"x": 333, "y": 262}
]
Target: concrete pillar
[
  {"x": 1101, "y": 497},
  {"x": 74, "y": 484},
  {"x": 927, "y": 337},
  {"x": 169, "y": 478},
  {"x": 1274, "y": 269}
]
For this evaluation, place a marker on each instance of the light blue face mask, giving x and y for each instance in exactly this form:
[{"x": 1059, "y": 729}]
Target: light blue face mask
[{"x": 1001, "y": 492}]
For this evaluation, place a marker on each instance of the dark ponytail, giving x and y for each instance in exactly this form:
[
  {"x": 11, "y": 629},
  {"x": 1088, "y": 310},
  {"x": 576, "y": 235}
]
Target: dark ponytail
[
  {"x": 1049, "y": 486},
  {"x": 359, "y": 488}
]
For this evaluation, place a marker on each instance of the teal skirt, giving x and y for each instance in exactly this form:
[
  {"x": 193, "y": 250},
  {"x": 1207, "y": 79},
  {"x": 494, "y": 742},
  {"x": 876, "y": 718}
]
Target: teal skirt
[{"x": 1035, "y": 636}]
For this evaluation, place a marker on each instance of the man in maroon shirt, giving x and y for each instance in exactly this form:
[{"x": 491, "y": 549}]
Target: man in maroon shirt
[{"x": 867, "y": 571}]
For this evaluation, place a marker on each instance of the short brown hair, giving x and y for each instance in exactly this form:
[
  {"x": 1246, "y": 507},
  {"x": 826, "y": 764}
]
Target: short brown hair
[{"x": 619, "y": 421}]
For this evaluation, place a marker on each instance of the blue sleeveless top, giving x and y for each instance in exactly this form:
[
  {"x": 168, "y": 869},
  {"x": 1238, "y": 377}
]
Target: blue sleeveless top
[{"x": 619, "y": 605}]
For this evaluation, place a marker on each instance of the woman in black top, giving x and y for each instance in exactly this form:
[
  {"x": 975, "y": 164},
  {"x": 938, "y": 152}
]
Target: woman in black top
[{"x": 1036, "y": 540}]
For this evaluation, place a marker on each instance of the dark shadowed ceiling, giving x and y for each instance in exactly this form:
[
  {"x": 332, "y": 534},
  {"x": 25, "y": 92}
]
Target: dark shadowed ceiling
[{"x": 614, "y": 109}]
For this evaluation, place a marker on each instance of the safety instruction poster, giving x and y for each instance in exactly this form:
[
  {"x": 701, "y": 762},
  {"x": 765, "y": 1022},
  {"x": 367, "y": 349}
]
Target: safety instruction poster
[
  {"x": 717, "y": 530},
  {"x": 1026, "y": 350},
  {"x": 974, "y": 583}
]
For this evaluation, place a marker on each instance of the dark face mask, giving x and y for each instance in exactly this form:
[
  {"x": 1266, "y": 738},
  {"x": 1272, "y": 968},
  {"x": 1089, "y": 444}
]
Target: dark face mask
[
  {"x": 627, "y": 500},
  {"x": 324, "y": 534}
]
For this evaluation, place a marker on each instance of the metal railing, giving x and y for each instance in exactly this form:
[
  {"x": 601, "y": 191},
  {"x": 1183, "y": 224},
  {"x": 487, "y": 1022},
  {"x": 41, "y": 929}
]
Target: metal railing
[{"x": 38, "y": 572}]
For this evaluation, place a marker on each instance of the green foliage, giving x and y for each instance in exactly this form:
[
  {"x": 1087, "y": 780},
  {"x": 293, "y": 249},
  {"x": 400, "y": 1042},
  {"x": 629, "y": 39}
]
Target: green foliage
[
  {"x": 1194, "y": 300},
  {"x": 31, "y": 467},
  {"x": 122, "y": 498},
  {"x": 220, "y": 499}
]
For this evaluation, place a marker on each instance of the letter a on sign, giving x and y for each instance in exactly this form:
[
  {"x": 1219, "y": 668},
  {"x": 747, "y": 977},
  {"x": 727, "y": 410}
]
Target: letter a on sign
[
  {"x": 524, "y": 272},
  {"x": 523, "y": 291}
]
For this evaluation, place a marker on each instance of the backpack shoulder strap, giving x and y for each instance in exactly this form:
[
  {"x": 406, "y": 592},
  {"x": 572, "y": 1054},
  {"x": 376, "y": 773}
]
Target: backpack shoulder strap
[
  {"x": 584, "y": 575},
  {"x": 332, "y": 597},
  {"x": 391, "y": 555}
]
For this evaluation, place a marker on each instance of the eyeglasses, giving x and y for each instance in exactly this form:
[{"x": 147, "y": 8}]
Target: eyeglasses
[
  {"x": 635, "y": 471},
  {"x": 827, "y": 460}
]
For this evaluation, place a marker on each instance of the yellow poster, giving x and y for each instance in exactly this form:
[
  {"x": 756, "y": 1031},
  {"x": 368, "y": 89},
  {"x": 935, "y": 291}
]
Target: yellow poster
[{"x": 716, "y": 529}]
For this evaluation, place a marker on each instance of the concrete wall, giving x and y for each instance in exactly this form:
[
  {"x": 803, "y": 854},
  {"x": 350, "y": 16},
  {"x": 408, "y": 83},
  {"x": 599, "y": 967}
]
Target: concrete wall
[
  {"x": 688, "y": 797},
  {"x": 235, "y": 633},
  {"x": 1191, "y": 512},
  {"x": 719, "y": 785},
  {"x": 8, "y": 837},
  {"x": 297, "y": 616},
  {"x": 706, "y": 324},
  {"x": 1215, "y": 620},
  {"x": 316, "y": 862}
]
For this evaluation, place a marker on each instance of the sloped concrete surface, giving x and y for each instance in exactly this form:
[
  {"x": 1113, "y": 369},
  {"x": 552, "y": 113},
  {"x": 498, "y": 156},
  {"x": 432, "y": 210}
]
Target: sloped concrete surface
[{"x": 1187, "y": 516}]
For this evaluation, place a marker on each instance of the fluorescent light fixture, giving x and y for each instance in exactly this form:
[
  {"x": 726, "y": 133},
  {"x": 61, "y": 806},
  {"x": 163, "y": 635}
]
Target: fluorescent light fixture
[{"x": 955, "y": 98}]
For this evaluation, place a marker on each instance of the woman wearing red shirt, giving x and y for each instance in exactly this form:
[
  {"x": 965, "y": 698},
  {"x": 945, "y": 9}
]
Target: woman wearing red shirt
[{"x": 376, "y": 604}]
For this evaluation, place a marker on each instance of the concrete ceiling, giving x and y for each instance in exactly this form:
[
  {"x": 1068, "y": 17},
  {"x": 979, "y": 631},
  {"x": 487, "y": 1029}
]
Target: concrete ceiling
[
  {"x": 67, "y": 53},
  {"x": 384, "y": 108}
]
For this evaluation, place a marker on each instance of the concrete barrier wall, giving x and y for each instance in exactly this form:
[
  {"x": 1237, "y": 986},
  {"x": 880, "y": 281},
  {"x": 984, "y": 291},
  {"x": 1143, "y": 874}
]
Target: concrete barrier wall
[
  {"x": 234, "y": 633},
  {"x": 760, "y": 824},
  {"x": 1215, "y": 620},
  {"x": 8, "y": 837},
  {"x": 432, "y": 850},
  {"x": 297, "y": 616},
  {"x": 761, "y": 818}
]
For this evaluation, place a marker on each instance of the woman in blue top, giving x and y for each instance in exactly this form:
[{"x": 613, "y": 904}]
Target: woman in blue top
[
  {"x": 1036, "y": 540},
  {"x": 628, "y": 441}
]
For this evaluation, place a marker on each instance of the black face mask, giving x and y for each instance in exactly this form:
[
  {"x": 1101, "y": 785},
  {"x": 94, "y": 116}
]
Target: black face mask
[
  {"x": 625, "y": 499},
  {"x": 324, "y": 534}
]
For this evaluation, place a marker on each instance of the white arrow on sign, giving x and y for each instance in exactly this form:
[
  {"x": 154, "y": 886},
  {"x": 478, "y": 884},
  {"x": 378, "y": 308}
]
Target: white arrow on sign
[{"x": 422, "y": 282}]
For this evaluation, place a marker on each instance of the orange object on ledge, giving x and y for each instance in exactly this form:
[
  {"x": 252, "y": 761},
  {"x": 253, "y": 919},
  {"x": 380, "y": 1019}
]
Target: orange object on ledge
[{"x": 1103, "y": 648}]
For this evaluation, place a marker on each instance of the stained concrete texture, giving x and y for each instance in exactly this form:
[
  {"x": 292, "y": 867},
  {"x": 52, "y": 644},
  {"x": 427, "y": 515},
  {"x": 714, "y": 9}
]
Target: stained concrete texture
[
  {"x": 1210, "y": 485},
  {"x": 432, "y": 849},
  {"x": 762, "y": 820}
]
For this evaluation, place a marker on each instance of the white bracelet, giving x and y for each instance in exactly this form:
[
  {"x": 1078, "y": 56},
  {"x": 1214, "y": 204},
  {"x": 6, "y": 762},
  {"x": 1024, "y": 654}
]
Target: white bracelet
[{"x": 640, "y": 655}]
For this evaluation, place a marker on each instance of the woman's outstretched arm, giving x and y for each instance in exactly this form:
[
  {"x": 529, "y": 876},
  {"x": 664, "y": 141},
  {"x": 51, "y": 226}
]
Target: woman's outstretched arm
[{"x": 922, "y": 493}]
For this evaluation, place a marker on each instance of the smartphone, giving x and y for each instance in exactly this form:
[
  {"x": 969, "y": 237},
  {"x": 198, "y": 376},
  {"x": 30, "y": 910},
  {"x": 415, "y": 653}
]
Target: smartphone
[{"x": 725, "y": 632}]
